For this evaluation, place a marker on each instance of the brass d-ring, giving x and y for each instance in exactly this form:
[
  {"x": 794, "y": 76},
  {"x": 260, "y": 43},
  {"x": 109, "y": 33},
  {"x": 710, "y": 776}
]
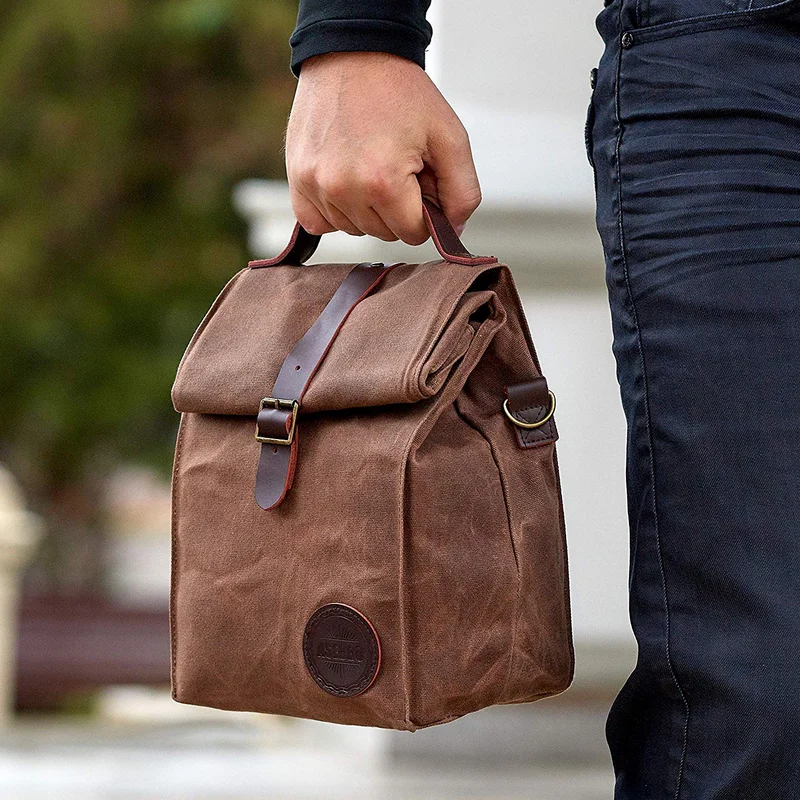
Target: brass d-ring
[{"x": 531, "y": 425}]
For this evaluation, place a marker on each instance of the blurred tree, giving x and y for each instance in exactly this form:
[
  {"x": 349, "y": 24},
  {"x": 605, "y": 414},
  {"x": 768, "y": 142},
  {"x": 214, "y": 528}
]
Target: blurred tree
[{"x": 124, "y": 125}]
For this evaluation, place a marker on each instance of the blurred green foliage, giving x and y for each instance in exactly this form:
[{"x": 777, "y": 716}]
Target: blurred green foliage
[{"x": 124, "y": 125}]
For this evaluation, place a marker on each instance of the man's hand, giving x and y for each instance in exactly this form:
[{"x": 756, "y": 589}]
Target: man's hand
[{"x": 368, "y": 134}]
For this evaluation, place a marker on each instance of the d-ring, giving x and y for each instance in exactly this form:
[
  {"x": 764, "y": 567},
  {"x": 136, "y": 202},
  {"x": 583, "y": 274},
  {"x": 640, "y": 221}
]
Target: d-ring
[{"x": 531, "y": 425}]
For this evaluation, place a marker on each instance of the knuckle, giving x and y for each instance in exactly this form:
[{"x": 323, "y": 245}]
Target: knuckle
[
  {"x": 466, "y": 204},
  {"x": 377, "y": 185},
  {"x": 336, "y": 185},
  {"x": 461, "y": 139},
  {"x": 304, "y": 175},
  {"x": 456, "y": 138}
]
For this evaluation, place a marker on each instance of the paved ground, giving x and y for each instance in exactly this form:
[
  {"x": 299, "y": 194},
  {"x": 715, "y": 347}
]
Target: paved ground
[{"x": 243, "y": 760}]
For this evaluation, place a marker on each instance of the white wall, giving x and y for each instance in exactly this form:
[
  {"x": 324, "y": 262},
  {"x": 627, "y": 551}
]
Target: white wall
[
  {"x": 518, "y": 75},
  {"x": 572, "y": 333},
  {"x": 517, "y": 72}
]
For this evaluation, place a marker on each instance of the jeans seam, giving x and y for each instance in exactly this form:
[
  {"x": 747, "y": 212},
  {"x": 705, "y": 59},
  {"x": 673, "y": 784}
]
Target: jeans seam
[{"x": 648, "y": 425}]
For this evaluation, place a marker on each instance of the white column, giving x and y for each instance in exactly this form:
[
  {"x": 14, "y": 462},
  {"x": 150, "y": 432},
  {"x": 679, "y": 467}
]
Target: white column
[{"x": 19, "y": 532}]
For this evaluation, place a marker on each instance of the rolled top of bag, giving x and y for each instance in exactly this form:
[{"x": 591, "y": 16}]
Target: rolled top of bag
[{"x": 398, "y": 346}]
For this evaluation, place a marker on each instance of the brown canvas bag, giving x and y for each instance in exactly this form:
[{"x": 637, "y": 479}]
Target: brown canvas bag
[{"x": 367, "y": 522}]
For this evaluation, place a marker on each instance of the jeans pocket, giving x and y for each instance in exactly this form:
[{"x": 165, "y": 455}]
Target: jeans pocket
[
  {"x": 659, "y": 12},
  {"x": 663, "y": 18}
]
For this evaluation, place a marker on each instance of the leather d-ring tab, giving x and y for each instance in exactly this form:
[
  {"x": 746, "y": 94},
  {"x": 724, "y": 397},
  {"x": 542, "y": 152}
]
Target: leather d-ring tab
[
  {"x": 531, "y": 403},
  {"x": 279, "y": 418}
]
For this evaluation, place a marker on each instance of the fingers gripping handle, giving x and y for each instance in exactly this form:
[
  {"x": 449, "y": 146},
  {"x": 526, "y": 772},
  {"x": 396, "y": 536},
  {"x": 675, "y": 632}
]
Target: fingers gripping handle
[{"x": 303, "y": 244}]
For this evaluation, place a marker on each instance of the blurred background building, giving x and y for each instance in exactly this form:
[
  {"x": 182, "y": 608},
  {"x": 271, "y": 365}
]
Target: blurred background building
[{"x": 140, "y": 166}]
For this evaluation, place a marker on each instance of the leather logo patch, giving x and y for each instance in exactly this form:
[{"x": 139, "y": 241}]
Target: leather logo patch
[{"x": 341, "y": 650}]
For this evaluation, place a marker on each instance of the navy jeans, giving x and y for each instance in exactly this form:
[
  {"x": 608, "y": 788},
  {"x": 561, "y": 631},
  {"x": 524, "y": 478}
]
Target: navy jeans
[{"x": 694, "y": 135}]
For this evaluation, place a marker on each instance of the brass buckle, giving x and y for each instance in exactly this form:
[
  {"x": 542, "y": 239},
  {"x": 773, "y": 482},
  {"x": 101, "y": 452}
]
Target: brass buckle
[
  {"x": 528, "y": 426},
  {"x": 278, "y": 404}
]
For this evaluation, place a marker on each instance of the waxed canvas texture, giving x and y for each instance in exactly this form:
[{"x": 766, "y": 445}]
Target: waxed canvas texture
[{"x": 411, "y": 502}]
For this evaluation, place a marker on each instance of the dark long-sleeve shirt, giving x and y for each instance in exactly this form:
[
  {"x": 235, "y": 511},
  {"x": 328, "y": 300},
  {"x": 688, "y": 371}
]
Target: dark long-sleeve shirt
[{"x": 389, "y": 26}]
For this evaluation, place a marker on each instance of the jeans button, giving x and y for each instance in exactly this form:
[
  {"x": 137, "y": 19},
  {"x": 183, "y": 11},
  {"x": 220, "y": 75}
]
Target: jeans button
[{"x": 627, "y": 40}]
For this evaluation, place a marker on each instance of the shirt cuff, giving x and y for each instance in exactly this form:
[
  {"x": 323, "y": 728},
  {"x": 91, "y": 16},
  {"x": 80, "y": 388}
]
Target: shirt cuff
[{"x": 357, "y": 35}]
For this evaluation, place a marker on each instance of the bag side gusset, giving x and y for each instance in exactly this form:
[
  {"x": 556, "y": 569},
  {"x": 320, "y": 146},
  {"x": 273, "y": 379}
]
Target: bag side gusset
[{"x": 543, "y": 658}]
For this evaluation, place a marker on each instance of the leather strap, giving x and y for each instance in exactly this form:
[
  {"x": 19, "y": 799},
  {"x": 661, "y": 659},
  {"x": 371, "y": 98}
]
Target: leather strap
[
  {"x": 530, "y": 402},
  {"x": 277, "y": 461},
  {"x": 303, "y": 244}
]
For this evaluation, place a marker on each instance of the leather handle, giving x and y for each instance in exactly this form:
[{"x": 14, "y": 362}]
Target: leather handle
[{"x": 303, "y": 244}]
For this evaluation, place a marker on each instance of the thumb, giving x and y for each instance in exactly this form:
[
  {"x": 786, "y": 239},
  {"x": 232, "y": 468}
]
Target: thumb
[{"x": 449, "y": 158}]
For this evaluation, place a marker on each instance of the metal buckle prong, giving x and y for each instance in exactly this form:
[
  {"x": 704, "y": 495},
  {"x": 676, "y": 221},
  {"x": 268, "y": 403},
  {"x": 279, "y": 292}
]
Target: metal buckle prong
[{"x": 278, "y": 404}]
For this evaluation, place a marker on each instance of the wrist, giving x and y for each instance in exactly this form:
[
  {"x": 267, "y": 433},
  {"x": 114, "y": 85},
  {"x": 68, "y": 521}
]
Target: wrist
[{"x": 358, "y": 60}]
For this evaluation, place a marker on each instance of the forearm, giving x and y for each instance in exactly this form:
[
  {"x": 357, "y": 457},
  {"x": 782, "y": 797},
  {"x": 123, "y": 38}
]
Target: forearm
[{"x": 398, "y": 27}]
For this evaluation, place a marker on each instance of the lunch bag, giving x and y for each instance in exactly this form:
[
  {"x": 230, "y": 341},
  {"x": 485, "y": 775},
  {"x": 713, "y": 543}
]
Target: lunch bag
[{"x": 367, "y": 521}]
